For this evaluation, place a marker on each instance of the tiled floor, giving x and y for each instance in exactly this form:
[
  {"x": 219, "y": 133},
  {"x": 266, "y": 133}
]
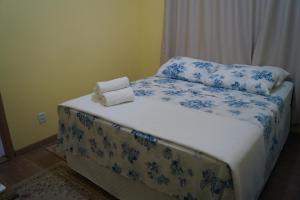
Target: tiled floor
[
  {"x": 284, "y": 183},
  {"x": 24, "y": 166}
]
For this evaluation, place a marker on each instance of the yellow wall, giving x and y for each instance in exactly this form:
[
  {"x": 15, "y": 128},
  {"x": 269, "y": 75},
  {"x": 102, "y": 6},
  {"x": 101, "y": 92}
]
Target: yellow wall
[
  {"x": 152, "y": 30},
  {"x": 54, "y": 50}
]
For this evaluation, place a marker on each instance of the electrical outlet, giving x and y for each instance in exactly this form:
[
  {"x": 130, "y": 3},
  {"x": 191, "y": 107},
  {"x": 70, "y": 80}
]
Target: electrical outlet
[{"x": 42, "y": 117}]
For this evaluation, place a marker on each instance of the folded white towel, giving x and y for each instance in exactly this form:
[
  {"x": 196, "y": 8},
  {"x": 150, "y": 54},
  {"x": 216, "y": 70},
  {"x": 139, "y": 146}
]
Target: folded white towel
[
  {"x": 112, "y": 85},
  {"x": 117, "y": 96}
]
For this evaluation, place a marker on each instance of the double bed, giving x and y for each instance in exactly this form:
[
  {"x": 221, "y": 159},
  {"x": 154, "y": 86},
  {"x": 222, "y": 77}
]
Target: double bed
[{"x": 177, "y": 140}]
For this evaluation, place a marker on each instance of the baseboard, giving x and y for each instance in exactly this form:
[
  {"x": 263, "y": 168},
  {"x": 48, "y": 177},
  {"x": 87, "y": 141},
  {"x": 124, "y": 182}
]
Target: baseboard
[{"x": 36, "y": 145}]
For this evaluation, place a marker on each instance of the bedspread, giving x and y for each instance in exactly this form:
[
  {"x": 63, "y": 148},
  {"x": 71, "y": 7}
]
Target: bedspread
[
  {"x": 160, "y": 164},
  {"x": 177, "y": 171},
  {"x": 262, "y": 111}
]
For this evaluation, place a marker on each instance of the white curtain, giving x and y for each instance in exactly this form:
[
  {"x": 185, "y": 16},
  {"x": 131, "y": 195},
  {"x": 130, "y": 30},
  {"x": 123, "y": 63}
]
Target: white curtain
[
  {"x": 278, "y": 43},
  {"x": 259, "y": 32}
]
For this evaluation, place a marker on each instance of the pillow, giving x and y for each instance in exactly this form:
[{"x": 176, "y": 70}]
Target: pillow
[
  {"x": 281, "y": 73},
  {"x": 188, "y": 69},
  {"x": 252, "y": 79}
]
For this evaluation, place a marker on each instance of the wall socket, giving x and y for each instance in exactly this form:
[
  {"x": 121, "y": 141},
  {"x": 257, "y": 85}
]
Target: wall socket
[{"x": 42, "y": 117}]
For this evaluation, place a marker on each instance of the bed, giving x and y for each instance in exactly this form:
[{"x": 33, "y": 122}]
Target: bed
[{"x": 177, "y": 140}]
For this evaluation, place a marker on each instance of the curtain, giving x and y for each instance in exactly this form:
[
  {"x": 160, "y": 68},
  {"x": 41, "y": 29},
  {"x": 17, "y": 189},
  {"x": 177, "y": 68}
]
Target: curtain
[
  {"x": 278, "y": 43},
  {"x": 259, "y": 32}
]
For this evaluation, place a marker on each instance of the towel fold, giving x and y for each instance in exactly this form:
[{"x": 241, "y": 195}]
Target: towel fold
[
  {"x": 112, "y": 85},
  {"x": 117, "y": 96}
]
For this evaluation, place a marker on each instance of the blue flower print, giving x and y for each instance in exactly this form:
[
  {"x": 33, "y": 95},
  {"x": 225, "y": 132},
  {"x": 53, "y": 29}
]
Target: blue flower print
[
  {"x": 237, "y": 103},
  {"x": 218, "y": 82},
  {"x": 189, "y": 196},
  {"x": 195, "y": 92},
  {"x": 264, "y": 74},
  {"x": 246, "y": 94},
  {"x": 162, "y": 180},
  {"x": 266, "y": 121},
  {"x": 116, "y": 126},
  {"x": 86, "y": 119},
  {"x": 259, "y": 103},
  {"x": 216, "y": 76},
  {"x": 165, "y": 81},
  {"x": 197, "y": 104},
  {"x": 274, "y": 143},
  {"x": 173, "y": 71},
  {"x": 143, "y": 93},
  {"x": 116, "y": 168},
  {"x": 237, "y": 86},
  {"x": 77, "y": 133},
  {"x": 144, "y": 139},
  {"x": 276, "y": 100},
  {"x": 215, "y": 89},
  {"x": 173, "y": 92},
  {"x": 204, "y": 65},
  {"x": 93, "y": 144},
  {"x": 153, "y": 169},
  {"x": 62, "y": 127},
  {"x": 133, "y": 174},
  {"x": 130, "y": 153},
  {"x": 99, "y": 131},
  {"x": 100, "y": 153},
  {"x": 189, "y": 85},
  {"x": 190, "y": 172},
  {"x": 166, "y": 98},
  {"x": 182, "y": 182},
  {"x": 145, "y": 84},
  {"x": 176, "y": 168},
  {"x": 238, "y": 74},
  {"x": 167, "y": 153},
  {"x": 107, "y": 145},
  {"x": 197, "y": 76},
  {"x": 259, "y": 90},
  {"x": 217, "y": 185},
  {"x": 235, "y": 112}
]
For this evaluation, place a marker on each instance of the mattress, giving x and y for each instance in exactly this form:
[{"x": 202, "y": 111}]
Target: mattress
[{"x": 246, "y": 122}]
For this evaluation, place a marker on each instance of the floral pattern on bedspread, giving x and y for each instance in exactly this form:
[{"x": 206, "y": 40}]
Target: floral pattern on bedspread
[
  {"x": 263, "y": 111},
  {"x": 175, "y": 170},
  {"x": 169, "y": 168}
]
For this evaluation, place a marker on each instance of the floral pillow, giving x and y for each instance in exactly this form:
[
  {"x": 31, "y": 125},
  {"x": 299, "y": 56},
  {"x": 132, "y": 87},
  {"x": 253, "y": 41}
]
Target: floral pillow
[
  {"x": 188, "y": 69},
  {"x": 252, "y": 79},
  {"x": 280, "y": 73}
]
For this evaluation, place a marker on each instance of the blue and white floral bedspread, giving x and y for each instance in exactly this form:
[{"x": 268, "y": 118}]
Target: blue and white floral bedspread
[
  {"x": 182, "y": 173},
  {"x": 263, "y": 111},
  {"x": 167, "y": 167}
]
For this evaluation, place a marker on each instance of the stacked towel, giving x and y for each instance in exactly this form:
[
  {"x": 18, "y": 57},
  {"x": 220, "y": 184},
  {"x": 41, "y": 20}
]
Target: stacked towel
[
  {"x": 114, "y": 92},
  {"x": 112, "y": 85}
]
